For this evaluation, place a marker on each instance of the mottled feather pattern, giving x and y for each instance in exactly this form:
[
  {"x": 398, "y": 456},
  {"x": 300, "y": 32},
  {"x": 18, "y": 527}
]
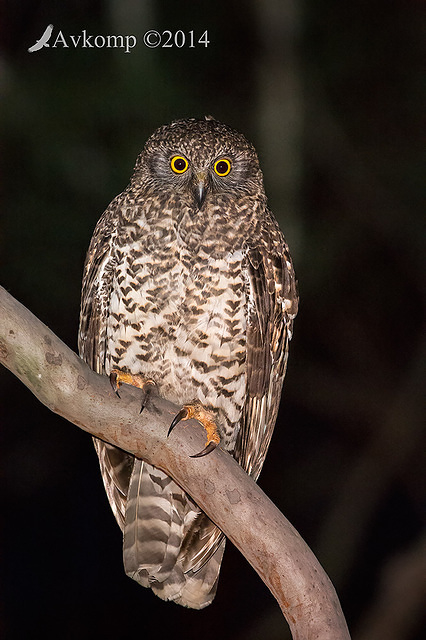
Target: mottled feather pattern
[{"x": 199, "y": 297}]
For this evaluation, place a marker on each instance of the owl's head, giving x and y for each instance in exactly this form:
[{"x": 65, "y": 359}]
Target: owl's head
[{"x": 199, "y": 159}]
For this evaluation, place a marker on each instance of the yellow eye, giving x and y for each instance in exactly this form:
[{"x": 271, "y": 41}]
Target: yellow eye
[
  {"x": 179, "y": 164},
  {"x": 222, "y": 167}
]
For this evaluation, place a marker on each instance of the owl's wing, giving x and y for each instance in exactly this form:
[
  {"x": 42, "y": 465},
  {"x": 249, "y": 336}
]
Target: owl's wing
[
  {"x": 272, "y": 306},
  {"x": 116, "y": 465},
  {"x": 95, "y": 296},
  {"x": 94, "y": 302}
]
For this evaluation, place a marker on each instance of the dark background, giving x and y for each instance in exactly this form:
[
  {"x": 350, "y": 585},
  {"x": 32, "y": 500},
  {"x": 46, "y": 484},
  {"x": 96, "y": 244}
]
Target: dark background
[{"x": 330, "y": 94}]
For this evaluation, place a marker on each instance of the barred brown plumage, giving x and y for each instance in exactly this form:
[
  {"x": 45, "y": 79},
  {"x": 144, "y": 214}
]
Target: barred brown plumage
[{"x": 188, "y": 281}]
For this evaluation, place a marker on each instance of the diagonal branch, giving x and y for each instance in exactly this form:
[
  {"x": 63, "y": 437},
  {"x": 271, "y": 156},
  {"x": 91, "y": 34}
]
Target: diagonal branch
[{"x": 65, "y": 384}]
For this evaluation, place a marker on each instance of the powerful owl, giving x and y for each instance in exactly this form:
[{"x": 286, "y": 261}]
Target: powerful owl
[{"x": 189, "y": 285}]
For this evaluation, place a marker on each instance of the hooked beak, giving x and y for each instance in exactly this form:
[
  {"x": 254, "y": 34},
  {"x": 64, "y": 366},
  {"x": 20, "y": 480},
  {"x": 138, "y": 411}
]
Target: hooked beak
[{"x": 200, "y": 189}]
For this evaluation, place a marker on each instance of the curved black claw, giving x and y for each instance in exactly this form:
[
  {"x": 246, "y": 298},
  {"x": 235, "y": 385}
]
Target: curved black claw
[
  {"x": 210, "y": 447},
  {"x": 147, "y": 389},
  {"x": 178, "y": 417},
  {"x": 114, "y": 383}
]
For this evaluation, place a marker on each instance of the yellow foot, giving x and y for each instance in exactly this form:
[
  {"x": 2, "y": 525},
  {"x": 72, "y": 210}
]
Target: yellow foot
[
  {"x": 117, "y": 378},
  {"x": 205, "y": 418}
]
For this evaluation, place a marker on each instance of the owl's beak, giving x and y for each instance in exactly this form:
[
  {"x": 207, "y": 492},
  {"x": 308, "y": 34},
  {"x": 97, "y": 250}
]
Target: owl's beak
[{"x": 200, "y": 189}]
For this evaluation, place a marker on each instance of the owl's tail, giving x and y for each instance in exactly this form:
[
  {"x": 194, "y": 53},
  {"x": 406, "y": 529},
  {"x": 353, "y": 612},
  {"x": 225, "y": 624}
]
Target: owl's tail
[{"x": 169, "y": 544}]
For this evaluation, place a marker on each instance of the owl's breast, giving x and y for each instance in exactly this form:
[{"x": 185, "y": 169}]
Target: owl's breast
[{"x": 181, "y": 320}]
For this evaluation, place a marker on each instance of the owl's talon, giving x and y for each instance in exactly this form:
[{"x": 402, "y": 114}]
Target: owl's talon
[
  {"x": 117, "y": 378},
  {"x": 205, "y": 418},
  {"x": 114, "y": 382},
  {"x": 182, "y": 415},
  {"x": 208, "y": 449}
]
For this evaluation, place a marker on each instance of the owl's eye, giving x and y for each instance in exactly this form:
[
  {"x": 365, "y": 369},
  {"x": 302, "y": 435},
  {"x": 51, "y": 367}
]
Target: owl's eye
[
  {"x": 179, "y": 164},
  {"x": 222, "y": 167}
]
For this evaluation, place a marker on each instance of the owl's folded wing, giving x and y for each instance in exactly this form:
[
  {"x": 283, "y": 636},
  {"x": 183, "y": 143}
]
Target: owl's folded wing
[
  {"x": 272, "y": 307},
  {"x": 116, "y": 465}
]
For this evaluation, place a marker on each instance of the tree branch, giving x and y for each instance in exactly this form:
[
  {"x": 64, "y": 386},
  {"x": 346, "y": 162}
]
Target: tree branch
[{"x": 66, "y": 385}]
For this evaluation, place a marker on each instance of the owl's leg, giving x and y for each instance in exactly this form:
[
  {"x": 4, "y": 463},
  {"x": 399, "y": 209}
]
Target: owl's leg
[
  {"x": 205, "y": 418},
  {"x": 117, "y": 378}
]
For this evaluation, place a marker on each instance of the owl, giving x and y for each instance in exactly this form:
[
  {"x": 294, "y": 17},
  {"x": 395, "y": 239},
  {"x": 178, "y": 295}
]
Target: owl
[{"x": 188, "y": 285}]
